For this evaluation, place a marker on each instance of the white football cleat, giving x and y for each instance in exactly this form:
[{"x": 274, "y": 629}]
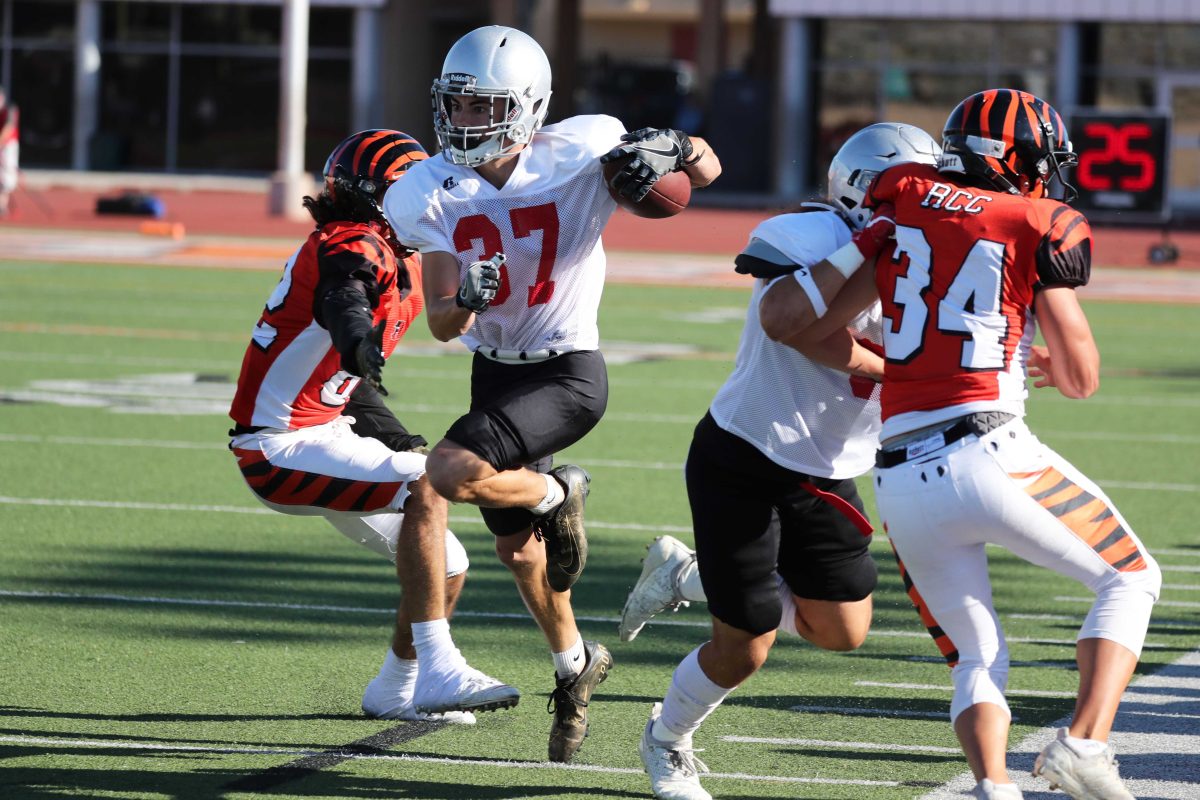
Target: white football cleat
[
  {"x": 988, "y": 790},
  {"x": 384, "y": 699},
  {"x": 673, "y": 769},
  {"x": 1093, "y": 777},
  {"x": 657, "y": 589},
  {"x": 461, "y": 687}
]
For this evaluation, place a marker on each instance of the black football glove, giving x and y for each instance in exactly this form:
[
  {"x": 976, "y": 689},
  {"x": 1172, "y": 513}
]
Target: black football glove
[
  {"x": 480, "y": 284},
  {"x": 652, "y": 153},
  {"x": 369, "y": 360}
]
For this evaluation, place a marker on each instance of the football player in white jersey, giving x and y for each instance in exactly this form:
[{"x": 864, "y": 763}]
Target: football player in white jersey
[
  {"x": 312, "y": 436},
  {"x": 508, "y": 223},
  {"x": 781, "y": 534}
]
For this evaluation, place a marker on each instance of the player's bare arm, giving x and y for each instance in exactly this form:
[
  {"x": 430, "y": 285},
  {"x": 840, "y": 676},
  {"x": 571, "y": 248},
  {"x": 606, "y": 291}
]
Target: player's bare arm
[
  {"x": 706, "y": 167},
  {"x": 841, "y": 351},
  {"x": 1072, "y": 360},
  {"x": 786, "y": 312},
  {"x": 447, "y": 319}
]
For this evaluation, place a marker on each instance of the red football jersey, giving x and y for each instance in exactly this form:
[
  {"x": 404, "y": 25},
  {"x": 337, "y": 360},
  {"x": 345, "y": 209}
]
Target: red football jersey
[
  {"x": 958, "y": 289},
  {"x": 292, "y": 376}
]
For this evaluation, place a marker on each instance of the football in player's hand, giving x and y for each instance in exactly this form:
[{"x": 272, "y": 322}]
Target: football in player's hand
[{"x": 668, "y": 196}]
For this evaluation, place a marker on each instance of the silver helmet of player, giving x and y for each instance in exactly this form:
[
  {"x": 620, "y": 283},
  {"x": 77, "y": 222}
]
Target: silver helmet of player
[
  {"x": 505, "y": 67},
  {"x": 869, "y": 152}
]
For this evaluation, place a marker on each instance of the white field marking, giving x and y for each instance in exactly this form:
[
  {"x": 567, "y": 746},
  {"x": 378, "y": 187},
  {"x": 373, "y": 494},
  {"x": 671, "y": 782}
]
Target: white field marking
[
  {"x": 1154, "y": 400},
  {"x": 1167, "y": 551},
  {"x": 124, "y": 361},
  {"x": 1177, "y": 568},
  {"x": 1115, "y": 436},
  {"x": 1016, "y": 639},
  {"x": 1013, "y": 664},
  {"x": 1179, "y": 587},
  {"x": 1157, "y": 751},
  {"x": 24, "y": 438},
  {"x": 463, "y": 762},
  {"x": 933, "y": 688},
  {"x": 201, "y": 407},
  {"x": 202, "y": 602},
  {"x": 1162, "y": 623},
  {"x": 1167, "y": 603},
  {"x": 870, "y": 712},
  {"x": 140, "y": 506},
  {"x": 890, "y": 748}
]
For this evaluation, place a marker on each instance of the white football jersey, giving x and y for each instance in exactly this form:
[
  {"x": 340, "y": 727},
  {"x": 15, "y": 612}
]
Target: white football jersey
[
  {"x": 547, "y": 221},
  {"x": 803, "y": 416}
]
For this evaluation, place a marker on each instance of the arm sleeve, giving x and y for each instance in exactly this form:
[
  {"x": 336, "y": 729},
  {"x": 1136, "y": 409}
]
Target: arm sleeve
[
  {"x": 763, "y": 260},
  {"x": 350, "y": 267},
  {"x": 1064, "y": 254},
  {"x": 375, "y": 420}
]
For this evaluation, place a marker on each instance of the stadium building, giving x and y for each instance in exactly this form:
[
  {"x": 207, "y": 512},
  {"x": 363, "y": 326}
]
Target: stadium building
[{"x": 776, "y": 85}]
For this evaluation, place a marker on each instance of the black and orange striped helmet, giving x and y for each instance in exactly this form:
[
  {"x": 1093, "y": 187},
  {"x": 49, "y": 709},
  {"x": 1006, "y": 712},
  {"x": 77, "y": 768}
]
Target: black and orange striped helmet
[
  {"x": 1013, "y": 141},
  {"x": 366, "y": 163}
]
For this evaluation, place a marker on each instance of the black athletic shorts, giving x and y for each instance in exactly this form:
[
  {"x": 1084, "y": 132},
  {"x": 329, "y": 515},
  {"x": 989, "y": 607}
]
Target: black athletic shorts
[
  {"x": 753, "y": 518},
  {"x": 522, "y": 414}
]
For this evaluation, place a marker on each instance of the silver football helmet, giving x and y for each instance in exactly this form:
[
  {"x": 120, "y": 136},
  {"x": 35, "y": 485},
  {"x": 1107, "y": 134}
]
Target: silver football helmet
[
  {"x": 869, "y": 152},
  {"x": 505, "y": 66}
]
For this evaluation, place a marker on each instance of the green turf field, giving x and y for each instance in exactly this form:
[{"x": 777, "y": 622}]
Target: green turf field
[{"x": 163, "y": 636}]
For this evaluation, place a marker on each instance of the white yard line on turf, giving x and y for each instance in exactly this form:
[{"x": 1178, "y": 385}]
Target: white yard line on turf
[
  {"x": 140, "y": 506},
  {"x": 1157, "y": 751},
  {"x": 839, "y": 746},
  {"x": 934, "y": 688},
  {"x": 188, "y": 601},
  {"x": 468, "y": 763},
  {"x": 1160, "y": 603},
  {"x": 668, "y": 466}
]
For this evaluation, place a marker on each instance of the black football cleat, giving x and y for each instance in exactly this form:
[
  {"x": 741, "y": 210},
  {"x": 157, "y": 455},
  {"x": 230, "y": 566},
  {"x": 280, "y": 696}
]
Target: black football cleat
[
  {"x": 569, "y": 702},
  {"x": 562, "y": 529}
]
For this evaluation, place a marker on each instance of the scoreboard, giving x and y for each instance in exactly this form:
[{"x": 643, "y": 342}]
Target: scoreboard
[{"x": 1122, "y": 173}]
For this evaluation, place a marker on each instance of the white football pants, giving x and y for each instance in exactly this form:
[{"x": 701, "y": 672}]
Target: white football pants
[
  {"x": 1007, "y": 488},
  {"x": 306, "y": 471}
]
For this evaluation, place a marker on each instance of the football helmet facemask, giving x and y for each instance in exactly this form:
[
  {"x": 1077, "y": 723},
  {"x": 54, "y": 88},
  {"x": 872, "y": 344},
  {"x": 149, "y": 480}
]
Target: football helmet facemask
[
  {"x": 869, "y": 152},
  {"x": 1012, "y": 141},
  {"x": 365, "y": 164},
  {"x": 509, "y": 70}
]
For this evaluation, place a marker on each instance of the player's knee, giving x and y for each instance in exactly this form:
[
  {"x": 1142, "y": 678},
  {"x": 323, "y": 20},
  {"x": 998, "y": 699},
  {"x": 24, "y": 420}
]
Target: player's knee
[
  {"x": 976, "y": 682},
  {"x": 839, "y": 627},
  {"x": 519, "y": 552},
  {"x": 446, "y": 475},
  {"x": 423, "y": 495},
  {"x": 740, "y": 653},
  {"x": 456, "y": 556}
]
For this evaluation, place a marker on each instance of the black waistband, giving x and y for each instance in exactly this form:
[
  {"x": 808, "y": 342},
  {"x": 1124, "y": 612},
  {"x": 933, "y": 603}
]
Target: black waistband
[
  {"x": 240, "y": 429},
  {"x": 978, "y": 424}
]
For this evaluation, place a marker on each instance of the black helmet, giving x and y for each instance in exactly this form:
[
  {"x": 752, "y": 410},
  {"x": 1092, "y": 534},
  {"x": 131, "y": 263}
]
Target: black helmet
[{"x": 1009, "y": 139}]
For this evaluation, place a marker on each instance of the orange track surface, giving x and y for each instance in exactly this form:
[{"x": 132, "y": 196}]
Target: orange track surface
[{"x": 697, "y": 231}]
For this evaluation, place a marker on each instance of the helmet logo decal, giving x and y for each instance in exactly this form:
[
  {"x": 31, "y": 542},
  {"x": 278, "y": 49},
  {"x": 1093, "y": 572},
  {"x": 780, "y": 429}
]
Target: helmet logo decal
[{"x": 986, "y": 147}]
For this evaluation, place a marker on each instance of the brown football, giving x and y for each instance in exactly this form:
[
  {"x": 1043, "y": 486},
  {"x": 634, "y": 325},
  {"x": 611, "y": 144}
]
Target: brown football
[{"x": 668, "y": 196}]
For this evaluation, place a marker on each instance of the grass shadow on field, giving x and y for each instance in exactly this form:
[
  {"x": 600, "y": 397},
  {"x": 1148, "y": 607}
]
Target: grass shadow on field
[{"x": 183, "y": 776}]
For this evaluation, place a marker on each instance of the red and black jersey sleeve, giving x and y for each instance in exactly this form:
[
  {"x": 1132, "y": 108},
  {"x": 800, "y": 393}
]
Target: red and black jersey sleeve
[
  {"x": 1064, "y": 254},
  {"x": 886, "y": 186},
  {"x": 356, "y": 252}
]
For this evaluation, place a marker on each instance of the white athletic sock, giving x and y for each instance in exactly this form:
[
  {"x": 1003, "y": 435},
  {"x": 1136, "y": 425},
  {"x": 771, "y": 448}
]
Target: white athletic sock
[
  {"x": 787, "y": 621},
  {"x": 1085, "y": 747},
  {"x": 433, "y": 643},
  {"x": 691, "y": 698},
  {"x": 688, "y": 582},
  {"x": 555, "y": 494},
  {"x": 570, "y": 662},
  {"x": 398, "y": 670},
  {"x": 399, "y": 673}
]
